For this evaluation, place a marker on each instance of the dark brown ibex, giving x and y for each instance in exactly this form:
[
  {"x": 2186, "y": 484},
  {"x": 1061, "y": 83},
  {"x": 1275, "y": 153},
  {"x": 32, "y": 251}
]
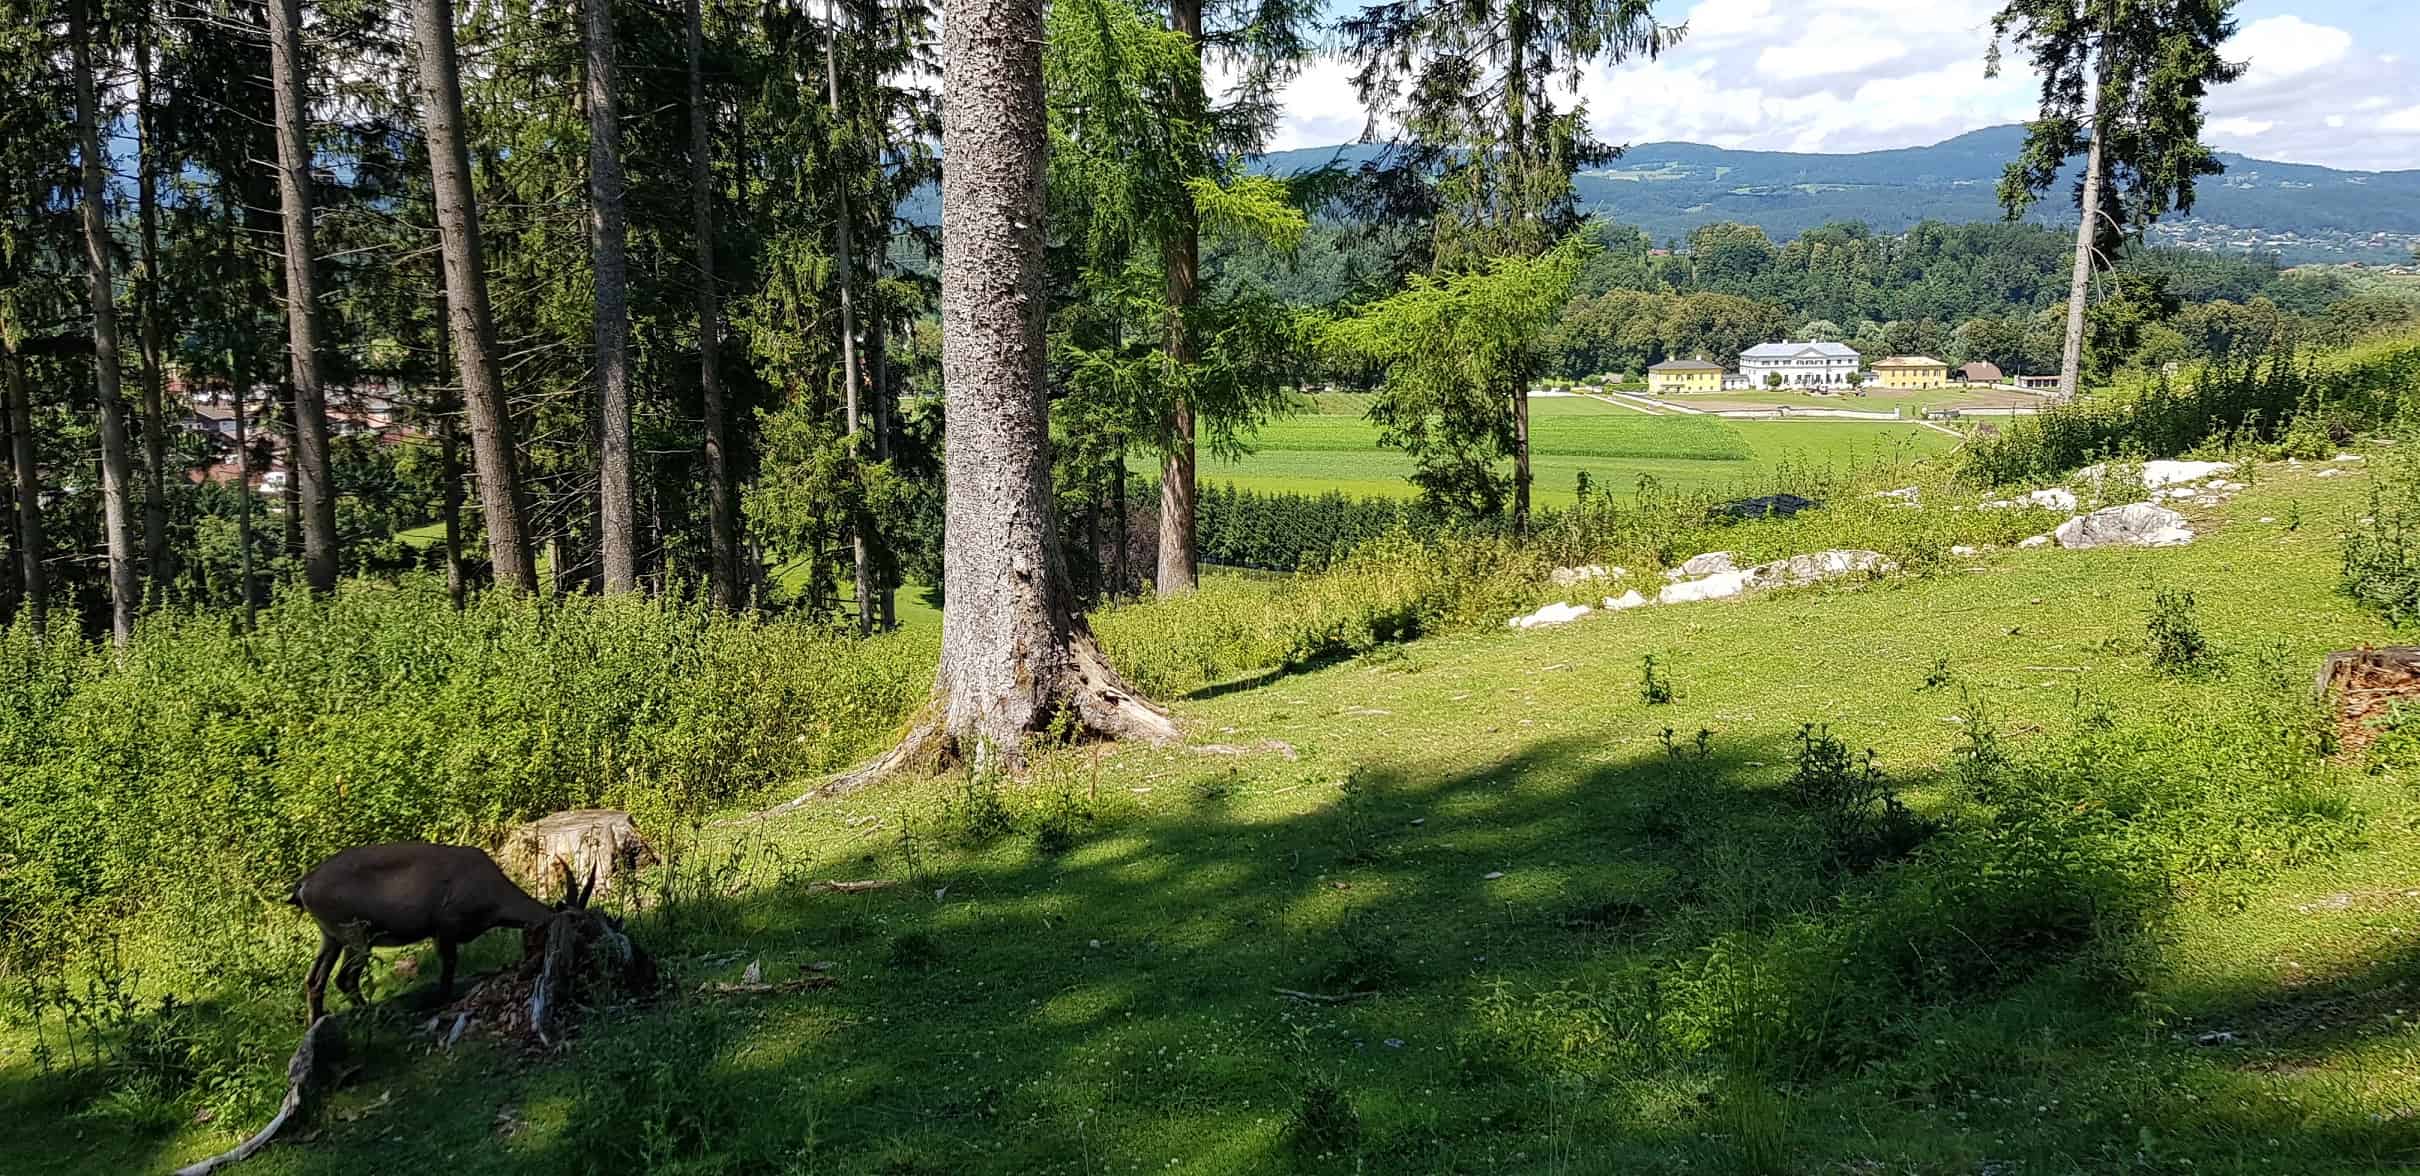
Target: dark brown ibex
[{"x": 406, "y": 892}]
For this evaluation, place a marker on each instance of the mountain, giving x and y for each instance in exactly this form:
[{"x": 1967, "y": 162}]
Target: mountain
[{"x": 2302, "y": 212}]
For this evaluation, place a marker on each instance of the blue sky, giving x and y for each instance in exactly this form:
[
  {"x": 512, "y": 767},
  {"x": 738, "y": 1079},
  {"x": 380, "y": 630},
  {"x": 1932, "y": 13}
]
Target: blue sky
[{"x": 2333, "y": 82}]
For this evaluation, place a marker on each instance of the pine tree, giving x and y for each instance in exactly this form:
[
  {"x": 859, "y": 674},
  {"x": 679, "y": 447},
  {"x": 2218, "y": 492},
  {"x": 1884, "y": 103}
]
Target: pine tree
[{"x": 2123, "y": 83}]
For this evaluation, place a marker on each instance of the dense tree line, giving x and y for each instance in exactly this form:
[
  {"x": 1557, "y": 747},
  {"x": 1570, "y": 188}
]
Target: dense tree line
[{"x": 621, "y": 297}]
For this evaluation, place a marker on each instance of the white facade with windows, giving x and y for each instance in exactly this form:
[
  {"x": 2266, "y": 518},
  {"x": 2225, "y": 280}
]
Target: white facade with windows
[{"x": 1800, "y": 365}]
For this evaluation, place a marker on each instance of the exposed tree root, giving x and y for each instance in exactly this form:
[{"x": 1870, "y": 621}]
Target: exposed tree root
[
  {"x": 1104, "y": 708},
  {"x": 321, "y": 1043}
]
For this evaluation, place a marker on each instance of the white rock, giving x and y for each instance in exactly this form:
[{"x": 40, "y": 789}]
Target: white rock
[
  {"x": 1703, "y": 564},
  {"x": 2034, "y": 541},
  {"x": 2165, "y": 473},
  {"x": 1719, "y": 586},
  {"x": 2348, "y": 457},
  {"x": 2056, "y": 498},
  {"x": 1905, "y": 495},
  {"x": 2267, "y": 519},
  {"x": 1627, "y": 600},
  {"x": 1554, "y": 614},
  {"x": 1566, "y": 577},
  {"x": 2329, "y": 473},
  {"x": 1820, "y": 565},
  {"x": 1963, "y": 549},
  {"x": 2176, "y": 492},
  {"x": 2136, "y": 524}
]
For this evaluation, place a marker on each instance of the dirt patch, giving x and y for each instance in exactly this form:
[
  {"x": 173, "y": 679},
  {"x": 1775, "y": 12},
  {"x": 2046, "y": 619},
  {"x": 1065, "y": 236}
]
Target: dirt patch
[{"x": 2364, "y": 686}]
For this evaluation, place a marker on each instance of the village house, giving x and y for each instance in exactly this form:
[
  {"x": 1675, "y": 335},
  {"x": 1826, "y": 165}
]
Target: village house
[
  {"x": 1910, "y": 372},
  {"x": 1800, "y": 365},
  {"x": 1684, "y": 375}
]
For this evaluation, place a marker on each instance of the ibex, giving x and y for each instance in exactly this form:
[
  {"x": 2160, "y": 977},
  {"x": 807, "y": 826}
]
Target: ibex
[{"x": 407, "y": 892}]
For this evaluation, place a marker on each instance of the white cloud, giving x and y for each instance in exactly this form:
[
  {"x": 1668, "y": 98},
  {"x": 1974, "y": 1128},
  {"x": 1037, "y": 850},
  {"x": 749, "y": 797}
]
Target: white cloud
[
  {"x": 2280, "y": 47},
  {"x": 1855, "y": 75}
]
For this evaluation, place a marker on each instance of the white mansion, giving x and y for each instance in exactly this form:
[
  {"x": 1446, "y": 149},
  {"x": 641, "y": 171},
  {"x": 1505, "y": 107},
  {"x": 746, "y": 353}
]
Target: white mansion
[{"x": 1801, "y": 365}]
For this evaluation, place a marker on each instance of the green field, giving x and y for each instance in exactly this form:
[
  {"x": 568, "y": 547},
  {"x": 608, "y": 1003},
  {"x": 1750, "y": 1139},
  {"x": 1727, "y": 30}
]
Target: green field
[
  {"x": 1527, "y": 929},
  {"x": 1336, "y": 448}
]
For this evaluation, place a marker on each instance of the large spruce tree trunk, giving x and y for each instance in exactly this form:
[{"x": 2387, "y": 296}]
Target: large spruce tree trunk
[
  {"x": 472, "y": 324},
  {"x": 307, "y": 458},
  {"x": 125, "y": 586},
  {"x": 27, "y": 460},
  {"x": 1014, "y": 650},
  {"x": 617, "y": 513},
  {"x": 722, "y": 503},
  {"x": 156, "y": 563},
  {"x": 1179, "y": 562}
]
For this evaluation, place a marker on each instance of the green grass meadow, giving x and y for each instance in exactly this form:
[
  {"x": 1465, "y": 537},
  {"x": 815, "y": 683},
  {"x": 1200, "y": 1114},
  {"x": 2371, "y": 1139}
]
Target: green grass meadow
[
  {"x": 1336, "y": 449},
  {"x": 1538, "y": 924}
]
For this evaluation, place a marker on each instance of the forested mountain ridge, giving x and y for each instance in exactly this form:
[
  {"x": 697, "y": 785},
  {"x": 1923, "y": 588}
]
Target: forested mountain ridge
[{"x": 2301, "y": 212}]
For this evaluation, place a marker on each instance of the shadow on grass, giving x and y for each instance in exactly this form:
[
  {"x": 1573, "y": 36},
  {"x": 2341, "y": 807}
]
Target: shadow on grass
[{"x": 1506, "y": 969}]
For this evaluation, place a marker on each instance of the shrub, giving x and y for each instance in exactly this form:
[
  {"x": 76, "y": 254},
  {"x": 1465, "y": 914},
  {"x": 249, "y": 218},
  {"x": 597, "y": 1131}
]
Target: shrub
[
  {"x": 2177, "y": 644},
  {"x": 2381, "y": 556},
  {"x": 2305, "y": 403},
  {"x": 1862, "y": 818},
  {"x": 1655, "y": 686},
  {"x": 207, "y": 769}
]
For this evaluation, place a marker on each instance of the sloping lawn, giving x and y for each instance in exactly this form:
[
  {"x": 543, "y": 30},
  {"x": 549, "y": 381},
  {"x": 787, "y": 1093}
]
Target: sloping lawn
[{"x": 1533, "y": 932}]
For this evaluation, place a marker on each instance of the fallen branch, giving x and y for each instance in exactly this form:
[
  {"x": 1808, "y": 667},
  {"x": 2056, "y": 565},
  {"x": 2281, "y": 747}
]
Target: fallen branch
[
  {"x": 1325, "y": 998},
  {"x": 302, "y": 1072},
  {"x": 854, "y": 887}
]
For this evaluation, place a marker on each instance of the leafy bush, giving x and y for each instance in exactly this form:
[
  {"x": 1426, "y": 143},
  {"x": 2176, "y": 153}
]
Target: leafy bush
[
  {"x": 1392, "y": 589},
  {"x": 1655, "y": 686},
  {"x": 1860, "y": 813},
  {"x": 2381, "y": 558},
  {"x": 210, "y": 767},
  {"x": 2306, "y": 403},
  {"x": 2175, "y": 629}
]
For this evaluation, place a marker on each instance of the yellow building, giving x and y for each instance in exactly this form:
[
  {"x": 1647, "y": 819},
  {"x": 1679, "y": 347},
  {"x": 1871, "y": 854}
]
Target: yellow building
[
  {"x": 1910, "y": 371},
  {"x": 1684, "y": 375}
]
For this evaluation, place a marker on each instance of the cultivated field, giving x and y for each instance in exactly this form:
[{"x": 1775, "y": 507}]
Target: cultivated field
[{"x": 1336, "y": 448}]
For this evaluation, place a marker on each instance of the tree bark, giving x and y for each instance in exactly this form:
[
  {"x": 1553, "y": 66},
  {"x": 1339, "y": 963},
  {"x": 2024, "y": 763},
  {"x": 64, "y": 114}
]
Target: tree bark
[
  {"x": 1520, "y": 406},
  {"x": 722, "y": 511},
  {"x": 848, "y": 317},
  {"x": 307, "y": 458},
  {"x": 241, "y": 312},
  {"x": 2079, "y": 285},
  {"x": 1179, "y": 561},
  {"x": 125, "y": 586},
  {"x": 1013, "y": 649},
  {"x": 27, "y": 460},
  {"x": 473, "y": 326},
  {"x": 449, "y": 458},
  {"x": 886, "y": 573},
  {"x": 617, "y": 514},
  {"x": 239, "y": 372},
  {"x": 155, "y": 425}
]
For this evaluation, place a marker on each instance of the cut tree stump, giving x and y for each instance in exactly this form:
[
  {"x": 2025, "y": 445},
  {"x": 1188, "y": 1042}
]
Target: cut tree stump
[
  {"x": 591, "y": 843},
  {"x": 2361, "y": 685},
  {"x": 585, "y": 958}
]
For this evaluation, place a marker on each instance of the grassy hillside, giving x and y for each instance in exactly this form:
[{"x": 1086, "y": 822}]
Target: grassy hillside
[
  {"x": 1336, "y": 448},
  {"x": 1541, "y": 927}
]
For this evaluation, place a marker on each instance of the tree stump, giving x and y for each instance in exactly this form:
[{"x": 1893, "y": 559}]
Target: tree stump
[
  {"x": 2361, "y": 685},
  {"x": 590, "y": 843}
]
